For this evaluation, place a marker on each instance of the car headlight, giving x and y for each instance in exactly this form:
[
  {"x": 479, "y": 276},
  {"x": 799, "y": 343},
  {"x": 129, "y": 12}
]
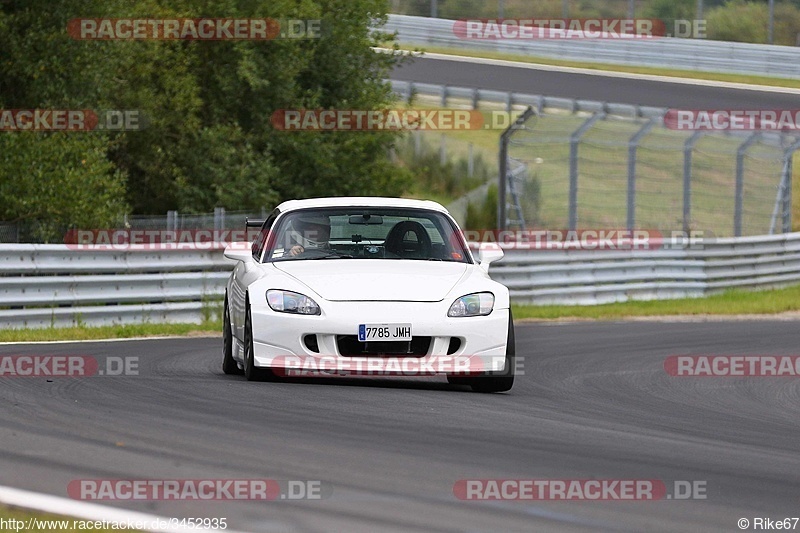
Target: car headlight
[
  {"x": 291, "y": 302},
  {"x": 477, "y": 304}
]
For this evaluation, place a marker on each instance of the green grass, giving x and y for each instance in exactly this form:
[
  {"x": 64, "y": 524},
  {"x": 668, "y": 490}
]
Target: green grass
[
  {"x": 653, "y": 71},
  {"x": 732, "y": 302},
  {"x": 120, "y": 331},
  {"x": 603, "y": 174},
  {"x": 10, "y": 512}
]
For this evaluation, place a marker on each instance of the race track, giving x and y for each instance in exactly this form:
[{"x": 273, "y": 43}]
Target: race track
[
  {"x": 595, "y": 402},
  {"x": 598, "y": 86}
]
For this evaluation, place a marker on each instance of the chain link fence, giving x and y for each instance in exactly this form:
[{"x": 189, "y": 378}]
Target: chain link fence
[
  {"x": 576, "y": 170},
  {"x": 219, "y": 220}
]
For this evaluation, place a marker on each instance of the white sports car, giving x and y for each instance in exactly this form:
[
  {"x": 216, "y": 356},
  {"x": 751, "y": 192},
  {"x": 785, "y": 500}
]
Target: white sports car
[{"x": 375, "y": 286}]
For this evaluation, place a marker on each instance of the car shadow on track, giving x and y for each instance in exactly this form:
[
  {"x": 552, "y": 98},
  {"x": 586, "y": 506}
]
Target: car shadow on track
[{"x": 432, "y": 384}]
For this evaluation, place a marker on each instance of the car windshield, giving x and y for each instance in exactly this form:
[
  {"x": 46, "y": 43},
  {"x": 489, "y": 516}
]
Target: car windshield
[{"x": 365, "y": 233}]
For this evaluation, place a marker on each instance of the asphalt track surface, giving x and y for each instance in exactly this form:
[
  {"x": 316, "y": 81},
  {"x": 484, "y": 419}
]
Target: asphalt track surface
[
  {"x": 589, "y": 86},
  {"x": 594, "y": 402}
]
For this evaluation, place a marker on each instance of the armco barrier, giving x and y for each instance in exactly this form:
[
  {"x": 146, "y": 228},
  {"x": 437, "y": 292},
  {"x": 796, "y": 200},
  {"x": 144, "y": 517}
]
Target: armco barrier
[
  {"x": 593, "y": 277},
  {"x": 667, "y": 52},
  {"x": 44, "y": 285}
]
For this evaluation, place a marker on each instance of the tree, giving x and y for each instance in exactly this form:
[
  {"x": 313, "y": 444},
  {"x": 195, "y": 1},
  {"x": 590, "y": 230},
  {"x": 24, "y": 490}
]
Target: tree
[{"x": 207, "y": 104}]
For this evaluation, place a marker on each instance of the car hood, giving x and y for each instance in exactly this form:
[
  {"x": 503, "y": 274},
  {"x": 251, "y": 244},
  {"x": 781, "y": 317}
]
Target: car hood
[{"x": 376, "y": 279}]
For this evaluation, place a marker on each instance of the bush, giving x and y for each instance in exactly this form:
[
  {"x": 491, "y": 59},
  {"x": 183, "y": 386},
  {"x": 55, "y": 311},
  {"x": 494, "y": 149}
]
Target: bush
[
  {"x": 738, "y": 21},
  {"x": 430, "y": 177},
  {"x": 483, "y": 214},
  {"x": 59, "y": 180}
]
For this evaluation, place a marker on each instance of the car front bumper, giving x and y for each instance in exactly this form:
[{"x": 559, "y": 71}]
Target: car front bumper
[{"x": 278, "y": 338}]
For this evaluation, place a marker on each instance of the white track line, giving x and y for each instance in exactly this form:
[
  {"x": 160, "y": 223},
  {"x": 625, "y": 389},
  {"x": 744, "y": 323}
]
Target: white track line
[
  {"x": 601, "y": 73},
  {"x": 205, "y": 335},
  {"x": 86, "y": 511}
]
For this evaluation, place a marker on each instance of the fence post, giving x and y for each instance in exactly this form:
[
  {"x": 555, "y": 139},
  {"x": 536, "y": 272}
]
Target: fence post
[
  {"x": 470, "y": 160},
  {"x": 787, "y": 198},
  {"x": 688, "y": 147},
  {"x": 503, "y": 166},
  {"x": 574, "y": 140},
  {"x": 787, "y": 190},
  {"x": 739, "y": 198},
  {"x": 219, "y": 218},
  {"x": 172, "y": 220},
  {"x": 633, "y": 145}
]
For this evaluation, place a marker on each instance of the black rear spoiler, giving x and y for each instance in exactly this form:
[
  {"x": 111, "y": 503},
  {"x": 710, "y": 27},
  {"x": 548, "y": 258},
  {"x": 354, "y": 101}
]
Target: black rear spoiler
[{"x": 253, "y": 222}]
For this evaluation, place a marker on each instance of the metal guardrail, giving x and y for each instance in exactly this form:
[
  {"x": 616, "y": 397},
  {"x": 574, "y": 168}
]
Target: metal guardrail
[
  {"x": 446, "y": 94},
  {"x": 666, "y": 52},
  {"x": 53, "y": 285},
  {"x": 43, "y": 285},
  {"x": 576, "y": 277}
]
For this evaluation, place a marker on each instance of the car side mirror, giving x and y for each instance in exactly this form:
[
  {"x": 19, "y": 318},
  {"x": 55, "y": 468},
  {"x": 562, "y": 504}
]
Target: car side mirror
[
  {"x": 239, "y": 251},
  {"x": 488, "y": 253}
]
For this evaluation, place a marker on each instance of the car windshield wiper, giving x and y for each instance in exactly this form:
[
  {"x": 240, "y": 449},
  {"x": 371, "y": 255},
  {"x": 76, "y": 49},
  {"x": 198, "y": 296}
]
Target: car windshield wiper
[{"x": 332, "y": 255}]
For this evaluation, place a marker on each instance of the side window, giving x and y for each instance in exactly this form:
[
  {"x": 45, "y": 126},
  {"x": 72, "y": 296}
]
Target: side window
[{"x": 260, "y": 241}]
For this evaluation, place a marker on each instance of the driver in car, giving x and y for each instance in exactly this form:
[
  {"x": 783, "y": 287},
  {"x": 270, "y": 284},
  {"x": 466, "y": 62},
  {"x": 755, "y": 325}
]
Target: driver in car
[{"x": 310, "y": 232}]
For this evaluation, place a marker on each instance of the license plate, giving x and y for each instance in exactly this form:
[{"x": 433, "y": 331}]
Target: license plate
[{"x": 384, "y": 332}]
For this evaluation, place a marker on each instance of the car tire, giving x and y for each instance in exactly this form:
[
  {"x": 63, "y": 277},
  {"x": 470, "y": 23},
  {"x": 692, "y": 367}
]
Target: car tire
[
  {"x": 229, "y": 365},
  {"x": 499, "y": 381},
  {"x": 251, "y": 371}
]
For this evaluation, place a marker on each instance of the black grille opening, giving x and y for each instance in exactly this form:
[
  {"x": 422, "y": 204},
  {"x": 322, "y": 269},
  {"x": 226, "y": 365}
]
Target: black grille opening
[
  {"x": 349, "y": 345},
  {"x": 311, "y": 343},
  {"x": 455, "y": 344}
]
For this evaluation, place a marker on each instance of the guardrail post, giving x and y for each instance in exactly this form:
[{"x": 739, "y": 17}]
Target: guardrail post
[
  {"x": 739, "y": 202},
  {"x": 688, "y": 147},
  {"x": 502, "y": 219},
  {"x": 574, "y": 140},
  {"x": 444, "y": 96},
  {"x": 633, "y": 144}
]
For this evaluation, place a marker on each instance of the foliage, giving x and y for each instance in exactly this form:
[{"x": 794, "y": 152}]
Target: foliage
[
  {"x": 430, "y": 178},
  {"x": 207, "y": 105},
  {"x": 483, "y": 214},
  {"x": 738, "y": 21},
  {"x": 58, "y": 178}
]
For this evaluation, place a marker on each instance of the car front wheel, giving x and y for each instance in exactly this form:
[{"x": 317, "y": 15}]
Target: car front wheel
[
  {"x": 251, "y": 371},
  {"x": 498, "y": 381},
  {"x": 229, "y": 366}
]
